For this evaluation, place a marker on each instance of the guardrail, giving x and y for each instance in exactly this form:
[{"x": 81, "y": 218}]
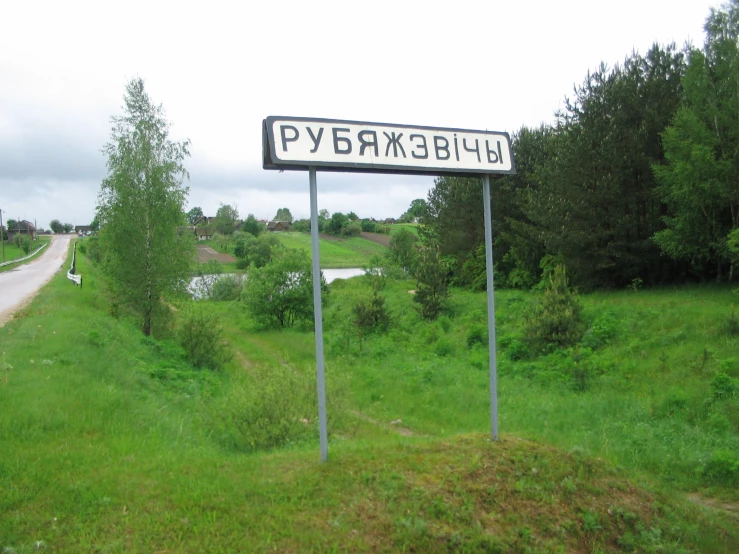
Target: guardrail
[
  {"x": 76, "y": 279},
  {"x": 27, "y": 257}
]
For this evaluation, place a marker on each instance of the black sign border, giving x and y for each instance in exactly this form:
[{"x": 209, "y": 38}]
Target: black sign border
[{"x": 271, "y": 161}]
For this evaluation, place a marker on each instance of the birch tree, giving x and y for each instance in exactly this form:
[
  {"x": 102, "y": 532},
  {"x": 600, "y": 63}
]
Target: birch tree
[{"x": 140, "y": 207}]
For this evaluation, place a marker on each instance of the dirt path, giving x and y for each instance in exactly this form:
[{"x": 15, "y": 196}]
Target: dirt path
[
  {"x": 18, "y": 286},
  {"x": 207, "y": 253},
  {"x": 377, "y": 237},
  {"x": 729, "y": 508}
]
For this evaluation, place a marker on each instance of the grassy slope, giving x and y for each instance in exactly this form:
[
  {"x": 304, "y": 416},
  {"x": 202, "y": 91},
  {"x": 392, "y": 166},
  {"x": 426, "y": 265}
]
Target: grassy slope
[
  {"x": 412, "y": 227},
  {"x": 12, "y": 252},
  {"x": 98, "y": 456},
  {"x": 648, "y": 406},
  {"x": 339, "y": 253}
]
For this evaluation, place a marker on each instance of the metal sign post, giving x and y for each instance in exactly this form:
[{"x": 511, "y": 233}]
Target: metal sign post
[
  {"x": 491, "y": 308},
  {"x": 301, "y": 143},
  {"x": 318, "y": 314}
]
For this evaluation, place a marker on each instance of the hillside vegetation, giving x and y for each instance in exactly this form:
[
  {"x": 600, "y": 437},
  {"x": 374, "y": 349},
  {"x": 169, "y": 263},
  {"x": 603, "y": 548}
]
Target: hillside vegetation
[{"x": 112, "y": 442}]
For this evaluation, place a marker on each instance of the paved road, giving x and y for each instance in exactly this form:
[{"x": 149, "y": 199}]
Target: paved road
[{"x": 19, "y": 285}]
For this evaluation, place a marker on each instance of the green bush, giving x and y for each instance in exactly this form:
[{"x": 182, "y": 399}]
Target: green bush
[
  {"x": 351, "y": 229},
  {"x": 94, "y": 252},
  {"x": 404, "y": 251},
  {"x": 273, "y": 406},
  {"x": 432, "y": 276},
  {"x": 370, "y": 315},
  {"x": 280, "y": 294},
  {"x": 555, "y": 319},
  {"x": 257, "y": 251},
  {"x": 600, "y": 332},
  {"x": 227, "y": 287},
  {"x": 201, "y": 336},
  {"x": 723, "y": 386},
  {"x": 730, "y": 325},
  {"x": 81, "y": 248},
  {"x": 721, "y": 469},
  {"x": 476, "y": 335}
]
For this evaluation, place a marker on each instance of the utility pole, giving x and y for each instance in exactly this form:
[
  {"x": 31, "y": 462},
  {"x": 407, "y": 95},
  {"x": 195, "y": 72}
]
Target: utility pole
[
  {"x": 2, "y": 237},
  {"x": 35, "y": 233}
]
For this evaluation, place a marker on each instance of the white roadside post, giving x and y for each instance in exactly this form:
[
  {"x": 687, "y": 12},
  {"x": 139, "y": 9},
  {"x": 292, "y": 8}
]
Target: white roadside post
[
  {"x": 318, "y": 314},
  {"x": 491, "y": 308},
  {"x": 302, "y": 143}
]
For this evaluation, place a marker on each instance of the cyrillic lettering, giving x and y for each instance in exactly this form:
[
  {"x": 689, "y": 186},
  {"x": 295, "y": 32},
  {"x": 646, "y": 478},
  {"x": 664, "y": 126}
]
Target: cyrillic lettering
[
  {"x": 285, "y": 138},
  {"x": 367, "y": 143},
  {"x": 338, "y": 139},
  {"x": 316, "y": 140},
  {"x": 476, "y": 149},
  {"x": 395, "y": 142},
  {"x": 439, "y": 148},
  {"x": 493, "y": 156},
  {"x": 456, "y": 148},
  {"x": 422, "y": 145}
]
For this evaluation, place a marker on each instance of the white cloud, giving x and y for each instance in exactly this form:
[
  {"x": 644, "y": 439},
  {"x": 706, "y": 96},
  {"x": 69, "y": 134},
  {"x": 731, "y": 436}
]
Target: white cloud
[{"x": 219, "y": 68}]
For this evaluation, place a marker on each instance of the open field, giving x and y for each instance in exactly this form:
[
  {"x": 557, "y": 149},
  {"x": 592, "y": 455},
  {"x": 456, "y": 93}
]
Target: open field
[
  {"x": 336, "y": 252},
  {"x": 112, "y": 443}
]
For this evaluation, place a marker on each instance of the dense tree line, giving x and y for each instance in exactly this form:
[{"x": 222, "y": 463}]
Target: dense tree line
[{"x": 637, "y": 180}]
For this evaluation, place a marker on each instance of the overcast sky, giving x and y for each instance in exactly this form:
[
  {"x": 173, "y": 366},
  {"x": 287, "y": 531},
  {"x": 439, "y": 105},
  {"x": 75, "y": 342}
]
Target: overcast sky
[{"x": 219, "y": 68}]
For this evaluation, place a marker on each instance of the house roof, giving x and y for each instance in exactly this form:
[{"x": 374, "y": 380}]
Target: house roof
[
  {"x": 274, "y": 224},
  {"x": 202, "y": 231}
]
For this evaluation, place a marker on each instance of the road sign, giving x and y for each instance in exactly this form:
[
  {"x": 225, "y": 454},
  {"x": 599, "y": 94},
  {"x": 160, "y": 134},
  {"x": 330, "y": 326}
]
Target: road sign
[
  {"x": 336, "y": 145},
  {"x": 306, "y": 144}
]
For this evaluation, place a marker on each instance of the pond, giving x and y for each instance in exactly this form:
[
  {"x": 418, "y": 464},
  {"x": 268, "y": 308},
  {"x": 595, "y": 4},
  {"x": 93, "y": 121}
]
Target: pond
[{"x": 197, "y": 284}]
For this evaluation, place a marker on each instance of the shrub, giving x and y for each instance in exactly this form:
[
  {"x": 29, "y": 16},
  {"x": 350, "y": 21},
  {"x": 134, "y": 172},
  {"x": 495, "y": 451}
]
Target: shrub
[
  {"x": 201, "y": 336},
  {"x": 404, "y": 251},
  {"x": 370, "y": 315},
  {"x": 556, "y": 317},
  {"x": 94, "y": 252},
  {"x": 476, "y": 335},
  {"x": 81, "y": 248},
  {"x": 351, "y": 229},
  {"x": 227, "y": 287},
  {"x": 23, "y": 242},
  {"x": 369, "y": 226},
  {"x": 257, "y": 251},
  {"x": 730, "y": 326},
  {"x": 272, "y": 406},
  {"x": 721, "y": 469},
  {"x": 301, "y": 226},
  {"x": 280, "y": 294},
  {"x": 433, "y": 283},
  {"x": 723, "y": 386},
  {"x": 600, "y": 332}
]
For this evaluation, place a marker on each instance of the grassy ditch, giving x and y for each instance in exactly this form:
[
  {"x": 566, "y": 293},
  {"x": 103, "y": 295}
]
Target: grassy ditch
[{"x": 112, "y": 442}]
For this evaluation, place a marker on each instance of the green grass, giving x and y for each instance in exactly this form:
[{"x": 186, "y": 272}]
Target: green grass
[
  {"x": 336, "y": 253},
  {"x": 108, "y": 442},
  {"x": 12, "y": 252},
  {"x": 412, "y": 227}
]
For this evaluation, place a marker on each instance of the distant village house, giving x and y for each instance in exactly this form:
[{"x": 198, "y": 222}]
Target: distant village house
[
  {"x": 22, "y": 228},
  {"x": 278, "y": 226}
]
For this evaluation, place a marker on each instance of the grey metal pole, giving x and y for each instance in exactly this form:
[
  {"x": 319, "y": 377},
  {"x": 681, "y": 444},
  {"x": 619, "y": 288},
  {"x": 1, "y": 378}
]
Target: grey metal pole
[
  {"x": 491, "y": 308},
  {"x": 318, "y": 314}
]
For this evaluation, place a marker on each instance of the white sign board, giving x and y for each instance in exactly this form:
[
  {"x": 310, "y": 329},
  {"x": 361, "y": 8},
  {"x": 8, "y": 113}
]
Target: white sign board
[{"x": 300, "y": 143}]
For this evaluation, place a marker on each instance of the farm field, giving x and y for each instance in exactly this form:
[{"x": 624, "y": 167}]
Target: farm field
[
  {"x": 112, "y": 442},
  {"x": 336, "y": 252}
]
